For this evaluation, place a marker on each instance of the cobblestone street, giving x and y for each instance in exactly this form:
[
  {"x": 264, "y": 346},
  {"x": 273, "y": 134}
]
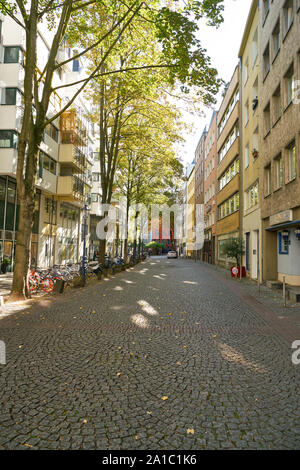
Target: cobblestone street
[{"x": 168, "y": 355}]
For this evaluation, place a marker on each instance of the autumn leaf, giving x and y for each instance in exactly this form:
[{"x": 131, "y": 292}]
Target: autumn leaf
[{"x": 164, "y": 398}]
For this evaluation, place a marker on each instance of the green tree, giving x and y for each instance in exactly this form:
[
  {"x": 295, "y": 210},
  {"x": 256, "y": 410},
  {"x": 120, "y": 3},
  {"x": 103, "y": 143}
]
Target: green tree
[
  {"x": 182, "y": 56},
  {"x": 234, "y": 248}
]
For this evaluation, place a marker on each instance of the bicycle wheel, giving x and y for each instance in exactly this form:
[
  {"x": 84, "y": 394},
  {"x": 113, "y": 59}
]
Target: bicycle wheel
[
  {"x": 33, "y": 284},
  {"x": 47, "y": 285}
]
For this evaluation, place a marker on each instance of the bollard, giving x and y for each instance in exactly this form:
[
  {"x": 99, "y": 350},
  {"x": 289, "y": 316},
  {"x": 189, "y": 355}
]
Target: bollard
[{"x": 284, "y": 292}]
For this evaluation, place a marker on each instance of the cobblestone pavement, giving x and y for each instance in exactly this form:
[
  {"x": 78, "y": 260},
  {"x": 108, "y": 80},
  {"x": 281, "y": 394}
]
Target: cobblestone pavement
[{"x": 164, "y": 356}]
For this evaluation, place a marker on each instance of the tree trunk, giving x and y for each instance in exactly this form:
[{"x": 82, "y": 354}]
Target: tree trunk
[
  {"x": 102, "y": 251},
  {"x": 22, "y": 251},
  {"x": 125, "y": 250}
]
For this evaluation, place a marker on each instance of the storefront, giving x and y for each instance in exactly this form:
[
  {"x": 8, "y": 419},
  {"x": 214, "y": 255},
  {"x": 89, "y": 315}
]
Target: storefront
[
  {"x": 286, "y": 238},
  {"x": 9, "y": 217}
]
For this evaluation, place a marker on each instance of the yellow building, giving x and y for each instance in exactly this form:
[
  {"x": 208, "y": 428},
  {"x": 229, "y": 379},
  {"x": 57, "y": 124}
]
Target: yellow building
[
  {"x": 249, "y": 56},
  {"x": 190, "y": 213}
]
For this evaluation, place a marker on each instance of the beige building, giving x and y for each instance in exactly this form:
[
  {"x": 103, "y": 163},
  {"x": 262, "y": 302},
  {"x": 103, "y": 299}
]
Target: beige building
[
  {"x": 228, "y": 169},
  {"x": 249, "y": 56},
  {"x": 280, "y": 139}
]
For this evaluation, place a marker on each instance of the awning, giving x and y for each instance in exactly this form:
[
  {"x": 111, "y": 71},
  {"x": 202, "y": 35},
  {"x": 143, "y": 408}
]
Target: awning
[{"x": 273, "y": 228}]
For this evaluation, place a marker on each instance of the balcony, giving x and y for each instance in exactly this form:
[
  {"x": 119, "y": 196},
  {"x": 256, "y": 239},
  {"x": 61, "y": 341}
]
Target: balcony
[
  {"x": 70, "y": 189},
  {"x": 72, "y": 157},
  {"x": 72, "y": 129}
]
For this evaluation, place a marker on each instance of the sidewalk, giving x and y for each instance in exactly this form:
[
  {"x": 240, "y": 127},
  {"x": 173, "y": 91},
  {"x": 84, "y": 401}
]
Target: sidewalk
[
  {"x": 267, "y": 302},
  {"x": 5, "y": 283}
]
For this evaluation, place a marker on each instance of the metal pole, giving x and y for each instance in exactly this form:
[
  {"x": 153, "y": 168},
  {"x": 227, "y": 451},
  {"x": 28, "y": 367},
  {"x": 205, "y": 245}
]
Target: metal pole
[
  {"x": 284, "y": 292},
  {"x": 83, "y": 264}
]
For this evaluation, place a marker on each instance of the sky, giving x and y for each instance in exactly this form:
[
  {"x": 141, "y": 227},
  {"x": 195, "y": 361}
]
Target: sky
[{"x": 222, "y": 46}]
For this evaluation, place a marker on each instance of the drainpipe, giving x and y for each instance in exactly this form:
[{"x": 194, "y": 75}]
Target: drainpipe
[{"x": 241, "y": 208}]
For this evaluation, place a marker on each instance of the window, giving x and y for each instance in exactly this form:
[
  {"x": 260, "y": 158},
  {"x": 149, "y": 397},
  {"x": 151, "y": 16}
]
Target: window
[
  {"x": 283, "y": 244},
  {"x": 288, "y": 15},
  {"x": 47, "y": 163},
  {"x": 266, "y": 9},
  {"x": 251, "y": 198},
  {"x": 267, "y": 120},
  {"x": 247, "y": 156},
  {"x": 290, "y": 85},
  {"x": 255, "y": 94},
  {"x": 291, "y": 161},
  {"x": 76, "y": 65},
  {"x": 230, "y": 206},
  {"x": 13, "y": 55},
  {"x": 278, "y": 172},
  {"x": 255, "y": 140},
  {"x": 8, "y": 139},
  {"x": 254, "y": 47},
  {"x": 228, "y": 143},
  {"x": 276, "y": 105},
  {"x": 229, "y": 174},
  {"x": 11, "y": 96},
  {"x": 228, "y": 112},
  {"x": 246, "y": 110},
  {"x": 246, "y": 71},
  {"x": 96, "y": 177},
  {"x": 276, "y": 39},
  {"x": 266, "y": 61},
  {"x": 268, "y": 180},
  {"x": 94, "y": 197},
  {"x": 52, "y": 132}
]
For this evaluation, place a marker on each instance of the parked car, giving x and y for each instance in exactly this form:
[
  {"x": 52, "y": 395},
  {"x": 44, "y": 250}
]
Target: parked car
[{"x": 172, "y": 254}]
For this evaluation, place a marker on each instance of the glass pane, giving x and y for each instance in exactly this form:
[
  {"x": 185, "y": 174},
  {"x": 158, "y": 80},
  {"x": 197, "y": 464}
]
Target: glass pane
[
  {"x": 10, "y": 96},
  {"x": 11, "y": 55}
]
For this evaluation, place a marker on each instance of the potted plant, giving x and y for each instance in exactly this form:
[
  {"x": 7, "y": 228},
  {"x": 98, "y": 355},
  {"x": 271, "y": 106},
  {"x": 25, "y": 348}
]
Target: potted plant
[
  {"x": 235, "y": 248},
  {"x": 255, "y": 153}
]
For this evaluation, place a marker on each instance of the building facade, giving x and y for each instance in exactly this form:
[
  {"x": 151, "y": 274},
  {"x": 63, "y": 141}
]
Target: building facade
[
  {"x": 64, "y": 179},
  {"x": 210, "y": 183},
  {"x": 280, "y": 139},
  {"x": 228, "y": 168},
  {"x": 199, "y": 183},
  {"x": 249, "y": 56},
  {"x": 190, "y": 213}
]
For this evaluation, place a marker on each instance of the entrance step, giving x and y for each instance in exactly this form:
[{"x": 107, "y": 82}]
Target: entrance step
[
  {"x": 274, "y": 285},
  {"x": 294, "y": 294}
]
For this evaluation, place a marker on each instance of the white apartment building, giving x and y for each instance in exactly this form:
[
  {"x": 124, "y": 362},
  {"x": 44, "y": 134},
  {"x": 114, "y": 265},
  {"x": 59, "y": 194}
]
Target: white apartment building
[{"x": 64, "y": 181}]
